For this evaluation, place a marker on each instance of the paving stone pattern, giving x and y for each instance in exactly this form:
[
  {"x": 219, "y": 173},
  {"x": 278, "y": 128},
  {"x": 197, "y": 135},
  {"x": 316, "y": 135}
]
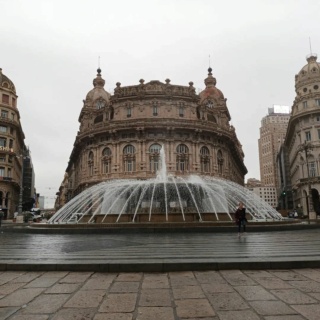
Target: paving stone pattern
[{"x": 292, "y": 294}]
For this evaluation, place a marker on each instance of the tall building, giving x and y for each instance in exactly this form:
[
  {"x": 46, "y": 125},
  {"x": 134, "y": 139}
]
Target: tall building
[
  {"x": 12, "y": 149},
  {"x": 302, "y": 140},
  {"x": 120, "y": 135},
  {"x": 272, "y": 133}
]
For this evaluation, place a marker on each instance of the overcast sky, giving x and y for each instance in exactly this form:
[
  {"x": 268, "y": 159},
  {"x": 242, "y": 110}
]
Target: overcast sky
[{"x": 50, "y": 50}]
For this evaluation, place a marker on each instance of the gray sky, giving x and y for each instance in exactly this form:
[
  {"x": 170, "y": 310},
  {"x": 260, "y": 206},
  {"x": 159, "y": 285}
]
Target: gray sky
[{"x": 50, "y": 50}]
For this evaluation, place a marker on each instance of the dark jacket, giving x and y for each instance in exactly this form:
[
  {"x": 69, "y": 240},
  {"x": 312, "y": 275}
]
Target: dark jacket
[{"x": 240, "y": 215}]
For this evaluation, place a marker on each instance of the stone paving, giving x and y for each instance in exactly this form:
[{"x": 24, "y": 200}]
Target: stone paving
[
  {"x": 292, "y": 294},
  {"x": 167, "y": 284}
]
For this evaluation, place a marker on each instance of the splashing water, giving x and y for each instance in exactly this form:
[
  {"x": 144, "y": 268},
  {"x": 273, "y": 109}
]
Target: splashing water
[{"x": 164, "y": 198}]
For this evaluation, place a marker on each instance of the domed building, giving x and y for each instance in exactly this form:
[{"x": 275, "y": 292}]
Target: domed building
[
  {"x": 11, "y": 148},
  {"x": 302, "y": 140},
  {"x": 121, "y": 135}
]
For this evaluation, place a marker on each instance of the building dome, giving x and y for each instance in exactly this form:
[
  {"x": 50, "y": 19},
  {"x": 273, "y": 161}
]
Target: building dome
[
  {"x": 6, "y": 83},
  {"x": 309, "y": 73},
  {"x": 98, "y": 93},
  {"x": 211, "y": 91}
]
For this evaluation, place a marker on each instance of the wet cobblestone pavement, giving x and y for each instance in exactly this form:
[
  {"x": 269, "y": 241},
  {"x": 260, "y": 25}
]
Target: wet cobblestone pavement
[{"x": 226, "y": 295}]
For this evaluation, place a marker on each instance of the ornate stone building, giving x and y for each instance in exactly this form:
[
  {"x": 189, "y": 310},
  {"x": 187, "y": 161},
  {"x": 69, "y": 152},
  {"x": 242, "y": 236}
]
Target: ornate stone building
[
  {"x": 302, "y": 142},
  {"x": 120, "y": 135},
  {"x": 11, "y": 146}
]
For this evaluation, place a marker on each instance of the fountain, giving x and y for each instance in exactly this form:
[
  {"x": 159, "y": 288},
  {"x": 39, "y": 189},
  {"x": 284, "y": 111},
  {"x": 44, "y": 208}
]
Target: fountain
[{"x": 165, "y": 198}]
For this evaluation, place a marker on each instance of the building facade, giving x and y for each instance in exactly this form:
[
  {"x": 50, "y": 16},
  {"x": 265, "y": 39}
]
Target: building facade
[
  {"x": 120, "y": 135},
  {"x": 272, "y": 133},
  {"x": 302, "y": 140},
  {"x": 268, "y": 194},
  {"x": 12, "y": 148}
]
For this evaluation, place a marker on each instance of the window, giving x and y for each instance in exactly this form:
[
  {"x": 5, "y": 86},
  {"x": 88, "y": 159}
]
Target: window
[
  {"x": 154, "y": 157},
  {"x": 10, "y": 143},
  {"x": 98, "y": 118},
  {"x": 182, "y": 164},
  {"x": 3, "y": 142},
  {"x": 305, "y": 104},
  {"x": 312, "y": 169},
  {"x": 2, "y": 158},
  {"x": 205, "y": 159},
  {"x": 220, "y": 161},
  {"x": 4, "y": 114},
  {"x": 106, "y": 160},
  {"x": 106, "y": 152},
  {"x": 318, "y": 102},
  {"x": 1, "y": 171},
  {"x": 5, "y": 99},
  {"x": 129, "y": 158},
  {"x": 155, "y": 110},
  {"x": 129, "y": 149},
  {"x": 3, "y": 129},
  {"x": 90, "y": 163},
  {"x": 9, "y": 172},
  {"x": 212, "y": 118},
  {"x": 12, "y": 116},
  {"x": 318, "y": 133},
  {"x": 129, "y": 112},
  {"x": 181, "y": 112},
  {"x": 100, "y": 104},
  {"x": 308, "y": 136}
]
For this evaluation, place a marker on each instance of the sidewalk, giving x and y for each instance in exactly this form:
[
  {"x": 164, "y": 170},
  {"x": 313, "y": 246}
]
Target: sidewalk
[{"x": 216, "y": 295}]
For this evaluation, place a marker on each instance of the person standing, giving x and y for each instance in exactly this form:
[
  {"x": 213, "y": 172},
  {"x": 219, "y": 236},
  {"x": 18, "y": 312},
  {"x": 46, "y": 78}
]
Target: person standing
[{"x": 240, "y": 218}]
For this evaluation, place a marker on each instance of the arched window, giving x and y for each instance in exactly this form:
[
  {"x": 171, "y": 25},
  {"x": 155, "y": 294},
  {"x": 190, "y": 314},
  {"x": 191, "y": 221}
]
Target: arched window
[
  {"x": 220, "y": 161},
  {"x": 90, "y": 163},
  {"x": 205, "y": 159},
  {"x": 106, "y": 160},
  {"x": 100, "y": 104},
  {"x": 154, "y": 156},
  {"x": 106, "y": 152},
  {"x": 129, "y": 158},
  {"x": 182, "y": 158}
]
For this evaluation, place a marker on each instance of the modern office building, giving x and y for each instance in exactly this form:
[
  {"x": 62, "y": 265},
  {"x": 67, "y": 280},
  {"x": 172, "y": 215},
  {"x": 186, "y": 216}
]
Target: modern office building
[
  {"x": 120, "y": 135},
  {"x": 272, "y": 133}
]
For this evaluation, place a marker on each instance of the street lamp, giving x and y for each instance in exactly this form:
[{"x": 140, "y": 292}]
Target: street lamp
[
  {"x": 21, "y": 190},
  {"x": 22, "y": 156},
  {"x": 306, "y": 147}
]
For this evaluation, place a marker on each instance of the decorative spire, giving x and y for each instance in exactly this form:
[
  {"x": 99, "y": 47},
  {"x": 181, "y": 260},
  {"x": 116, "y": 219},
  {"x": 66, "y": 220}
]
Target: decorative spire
[
  {"x": 210, "y": 80},
  {"x": 98, "y": 81}
]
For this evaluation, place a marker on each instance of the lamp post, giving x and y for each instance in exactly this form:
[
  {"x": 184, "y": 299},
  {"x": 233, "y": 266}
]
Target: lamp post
[
  {"x": 306, "y": 147},
  {"x": 21, "y": 188},
  {"x": 22, "y": 156}
]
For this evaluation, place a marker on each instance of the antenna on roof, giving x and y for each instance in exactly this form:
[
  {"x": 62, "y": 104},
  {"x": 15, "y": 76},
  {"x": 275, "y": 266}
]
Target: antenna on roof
[
  {"x": 209, "y": 61},
  {"x": 99, "y": 62},
  {"x": 310, "y": 45}
]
